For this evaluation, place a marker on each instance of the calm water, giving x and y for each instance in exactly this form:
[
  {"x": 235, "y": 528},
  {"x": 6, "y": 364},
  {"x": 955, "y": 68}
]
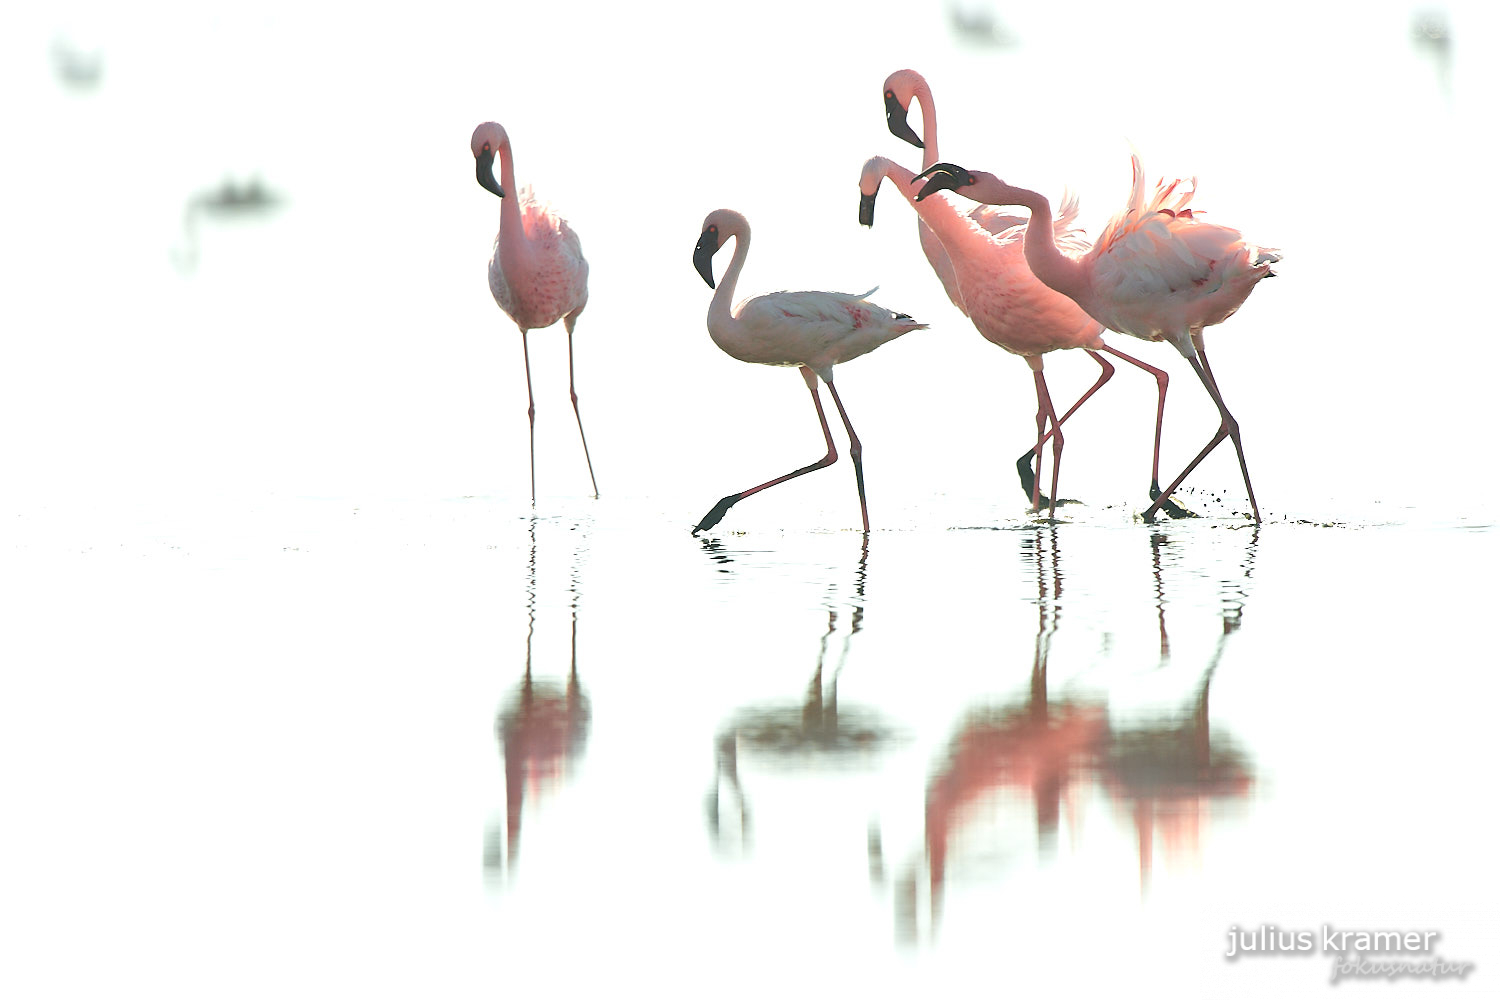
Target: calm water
[{"x": 302, "y": 695}]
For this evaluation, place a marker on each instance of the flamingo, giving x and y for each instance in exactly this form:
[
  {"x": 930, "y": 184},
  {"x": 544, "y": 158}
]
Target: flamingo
[
  {"x": 1009, "y": 306},
  {"x": 537, "y": 271},
  {"x": 1156, "y": 273},
  {"x": 1029, "y": 336},
  {"x": 812, "y": 331}
]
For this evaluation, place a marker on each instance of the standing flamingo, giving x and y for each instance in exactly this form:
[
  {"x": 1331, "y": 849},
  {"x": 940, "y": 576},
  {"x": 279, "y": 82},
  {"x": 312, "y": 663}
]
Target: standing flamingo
[
  {"x": 811, "y": 330},
  {"x": 537, "y": 271},
  {"x": 1156, "y": 273},
  {"x": 1008, "y": 305},
  {"x": 1027, "y": 335}
]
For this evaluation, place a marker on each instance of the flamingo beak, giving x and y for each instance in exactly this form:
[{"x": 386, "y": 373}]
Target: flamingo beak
[
  {"x": 484, "y": 171},
  {"x": 867, "y": 208},
  {"x": 942, "y": 177},
  {"x": 703, "y": 256},
  {"x": 895, "y": 120}
]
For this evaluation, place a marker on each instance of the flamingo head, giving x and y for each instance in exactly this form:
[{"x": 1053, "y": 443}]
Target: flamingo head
[
  {"x": 869, "y": 186},
  {"x": 488, "y": 139},
  {"x": 973, "y": 184},
  {"x": 718, "y": 227},
  {"x": 900, "y": 87}
]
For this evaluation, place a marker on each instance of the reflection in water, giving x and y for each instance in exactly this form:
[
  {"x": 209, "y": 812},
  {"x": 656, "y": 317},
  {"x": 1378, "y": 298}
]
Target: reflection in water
[
  {"x": 1050, "y": 752},
  {"x": 542, "y": 729},
  {"x": 816, "y": 733},
  {"x": 1165, "y": 774},
  {"x": 1035, "y": 748}
]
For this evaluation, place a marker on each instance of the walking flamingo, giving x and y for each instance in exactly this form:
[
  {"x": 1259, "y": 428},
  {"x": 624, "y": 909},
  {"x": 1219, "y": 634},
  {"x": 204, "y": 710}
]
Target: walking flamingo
[
  {"x": 810, "y": 330},
  {"x": 901, "y": 88},
  {"x": 537, "y": 271},
  {"x": 1009, "y": 306},
  {"x": 1156, "y": 273}
]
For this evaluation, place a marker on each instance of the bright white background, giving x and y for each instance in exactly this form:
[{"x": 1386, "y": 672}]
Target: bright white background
[{"x": 269, "y": 548}]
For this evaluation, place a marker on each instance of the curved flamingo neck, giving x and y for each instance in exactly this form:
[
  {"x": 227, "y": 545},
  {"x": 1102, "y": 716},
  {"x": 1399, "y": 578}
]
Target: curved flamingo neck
[
  {"x": 514, "y": 250},
  {"x": 1052, "y": 267},
  {"x": 942, "y": 216},
  {"x": 719, "y": 310},
  {"x": 922, "y": 94}
]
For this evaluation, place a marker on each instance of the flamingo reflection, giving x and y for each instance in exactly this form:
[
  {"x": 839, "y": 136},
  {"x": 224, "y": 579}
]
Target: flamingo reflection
[
  {"x": 542, "y": 729},
  {"x": 1037, "y": 748},
  {"x": 1165, "y": 775},
  {"x": 817, "y": 733}
]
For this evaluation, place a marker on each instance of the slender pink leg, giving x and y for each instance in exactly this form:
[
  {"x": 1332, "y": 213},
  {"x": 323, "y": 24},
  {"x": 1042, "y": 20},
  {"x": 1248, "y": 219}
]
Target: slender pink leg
[
  {"x": 1228, "y": 427},
  {"x": 856, "y": 452},
  {"x": 1161, "y": 406},
  {"x": 1044, "y": 413},
  {"x": 1023, "y": 464},
  {"x": 568, "y": 322},
  {"x": 716, "y": 515},
  {"x": 1234, "y": 430},
  {"x": 530, "y": 414}
]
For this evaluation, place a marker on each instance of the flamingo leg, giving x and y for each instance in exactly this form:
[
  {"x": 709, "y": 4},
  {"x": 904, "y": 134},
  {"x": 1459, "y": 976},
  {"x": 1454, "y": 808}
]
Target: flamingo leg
[
  {"x": 1234, "y": 428},
  {"x": 1228, "y": 427},
  {"x": 856, "y": 452},
  {"x": 1023, "y": 464},
  {"x": 530, "y": 414},
  {"x": 1167, "y": 506},
  {"x": 568, "y": 322},
  {"x": 1044, "y": 413},
  {"x": 721, "y": 508}
]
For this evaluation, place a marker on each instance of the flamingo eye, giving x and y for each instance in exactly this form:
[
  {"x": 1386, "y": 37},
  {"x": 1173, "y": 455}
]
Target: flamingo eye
[
  {"x": 890, "y": 95},
  {"x": 713, "y": 229}
]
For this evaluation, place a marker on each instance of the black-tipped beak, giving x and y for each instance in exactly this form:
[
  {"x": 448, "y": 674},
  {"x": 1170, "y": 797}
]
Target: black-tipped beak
[
  {"x": 484, "y": 171},
  {"x": 895, "y": 120},
  {"x": 942, "y": 177},
  {"x": 867, "y": 208},
  {"x": 703, "y": 255}
]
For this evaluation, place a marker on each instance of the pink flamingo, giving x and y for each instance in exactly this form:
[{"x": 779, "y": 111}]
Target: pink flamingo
[
  {"x": 1156, "y": 273},
  {"x": 811, "y": 330},
  {"x": 537, "y": 271},
  {"x": 1010, "y": 307},
  {"x": 901, "y": 88},
  {"x": 1040, "y": 325}
]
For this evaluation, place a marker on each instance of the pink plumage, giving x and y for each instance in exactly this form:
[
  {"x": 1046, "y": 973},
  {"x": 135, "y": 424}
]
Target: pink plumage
[
  {"x": 537, "y": 272},
  {"x": 812, "y": 331},
  {"x": 1157, "y": 272},
  {"x": 979, "y": 258}
]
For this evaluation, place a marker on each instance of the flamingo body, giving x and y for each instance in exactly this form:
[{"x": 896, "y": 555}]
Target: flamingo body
[
  {"x": 1007, "y": 303},
  {"x": 1159, "y": 273},
  {"x": 901, "y": 88},
  {"x": 1156, "y": 273},
  {"x": 551, "y": 280},
  {"x": 816, "y": 329},
  {"x": 1017, "y": 312},
  {"x": 537, "y": 271},
  {"x": 812, "y": 331}
]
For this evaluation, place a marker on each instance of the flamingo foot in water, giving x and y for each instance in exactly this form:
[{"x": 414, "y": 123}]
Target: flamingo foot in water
[
  {"x": 1028, "y": 481},
  {"x": 716, "y": 515},
  {"x": 1167, "y": 506}
]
